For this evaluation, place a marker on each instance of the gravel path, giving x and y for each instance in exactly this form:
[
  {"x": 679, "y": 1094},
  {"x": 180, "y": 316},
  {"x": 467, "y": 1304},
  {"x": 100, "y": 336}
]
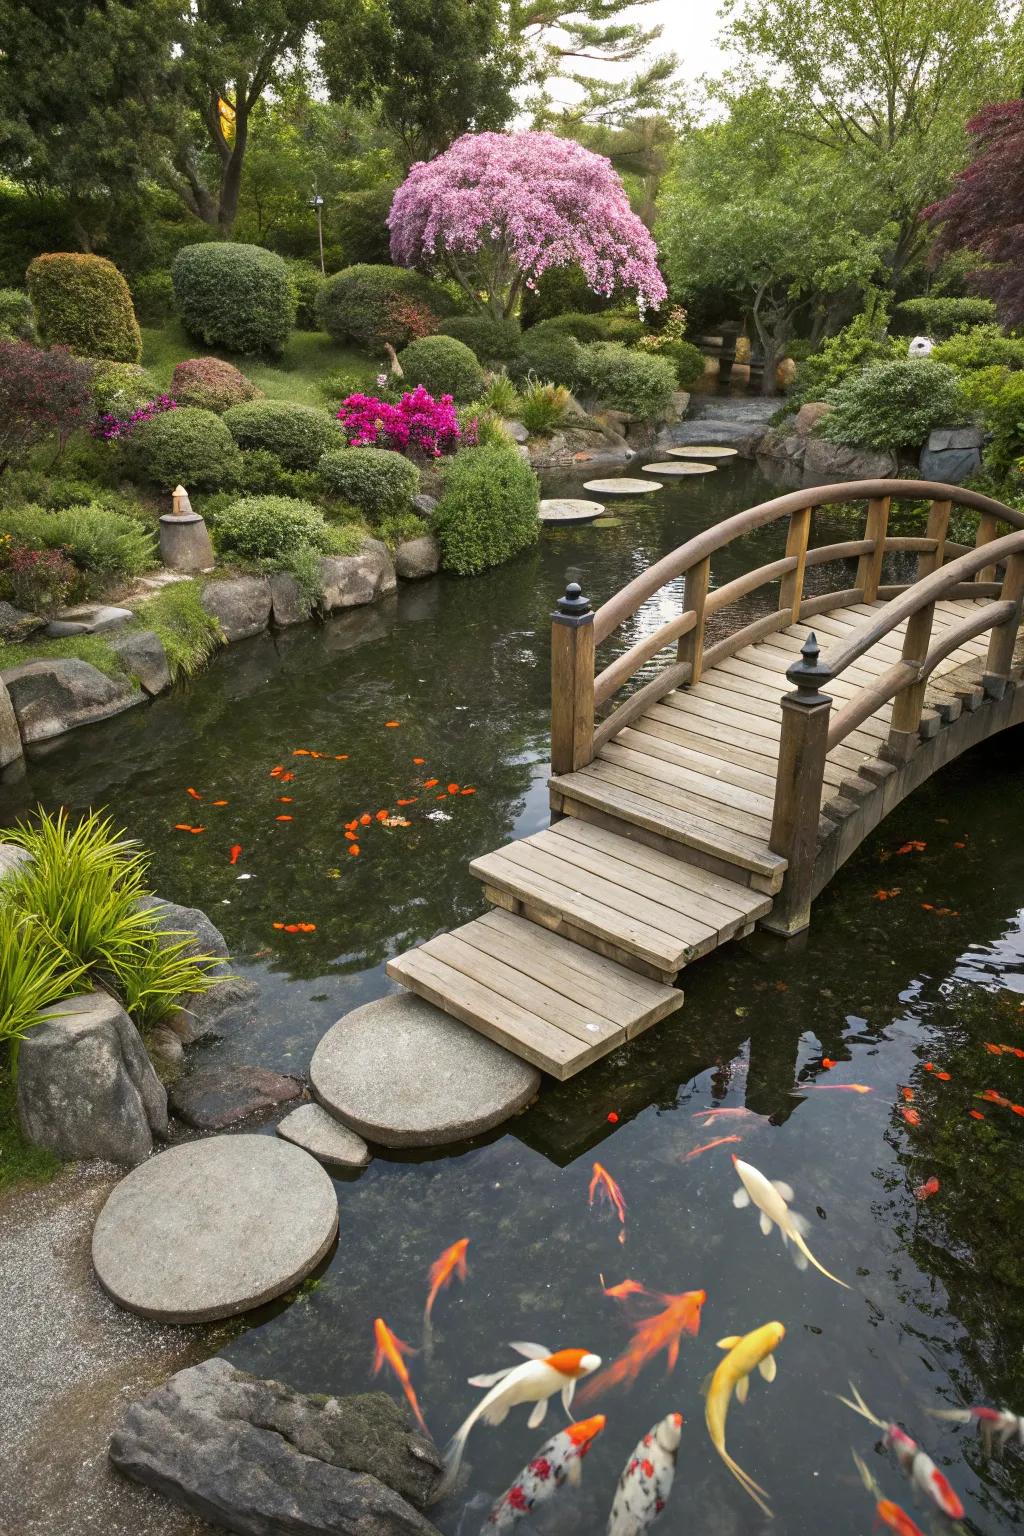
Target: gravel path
[{"x": 70, "y": 1362}]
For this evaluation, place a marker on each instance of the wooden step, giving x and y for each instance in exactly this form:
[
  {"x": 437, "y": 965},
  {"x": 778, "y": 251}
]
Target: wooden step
[
  {"x": 542, "y": 997},
  {"x": 592, "y": 884}
]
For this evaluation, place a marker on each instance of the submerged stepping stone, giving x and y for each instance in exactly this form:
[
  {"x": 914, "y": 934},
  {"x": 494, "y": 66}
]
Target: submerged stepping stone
[
  {"x": 674, "y": 468},
  {"x": 563, "y": 510},
  {"x": 214, "y": 1097},
  {"x": 324, "y": 1138},
  {"x": 214, "y": 1228},
  {"x": 704, "y": 451},
  {"x": 405, "y": 1074},
  {"x": 623, "y": 486}
]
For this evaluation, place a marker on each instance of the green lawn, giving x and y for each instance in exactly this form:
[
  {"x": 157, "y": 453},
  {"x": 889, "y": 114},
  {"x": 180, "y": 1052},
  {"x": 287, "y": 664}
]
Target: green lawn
[{"x": 307, "y": 358}]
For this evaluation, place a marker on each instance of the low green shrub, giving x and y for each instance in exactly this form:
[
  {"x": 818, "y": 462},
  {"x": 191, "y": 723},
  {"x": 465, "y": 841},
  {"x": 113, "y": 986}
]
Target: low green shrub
[
  {"x": 551, "y": 357},
  {"x": 298, "y": 434},
  {"x": 188, "y": 634},
  {"x": 185, "y": 447},
  {"x": 120, "y": 388},
  {"x": 339, "y": 383},
  {"x": 211, "y": 384},
  {"x": 444, "y": 366},
  {"x": 543, "y": 407},
  {"x": 942, "y": 316},
  {"x": 502, "y": 396},
  {"x": 270, "y": 528},
  {"x": 234, "y": 296},
  {"x": 627, "y": 380},
  {"x": 862, "y": 342},
  {"x": 894, "y": 405},
  {"x": 493, "y": 341},
  {"x": 995, "y": 396},
  {"x": 378, "y": 481},
  {"x": 369, "y": 304},
  {"x": 479, "y": 425},
  {"x": 487, "y": 511},
  {"x": 399, "y": 527},
  {"x": 264, "y": 474},
  {"x": 582, "y": 327},
  {"x": 83, "y": 303},
  {"x": 104, "y": 546},
  {"x": 686, "y": 359},
  {"x": 558, "y": 291},
  {"x": 153, "y": 297},
  {"x": 306, "y": 281},
  {"x": 17, "y": 317},
  {"x": 982, "y": 346}
]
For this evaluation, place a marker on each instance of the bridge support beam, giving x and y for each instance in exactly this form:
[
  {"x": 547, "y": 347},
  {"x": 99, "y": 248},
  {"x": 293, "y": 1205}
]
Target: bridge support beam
[
  {"x": 798, "y": 786},
  {"x": 572, "y": 682}
]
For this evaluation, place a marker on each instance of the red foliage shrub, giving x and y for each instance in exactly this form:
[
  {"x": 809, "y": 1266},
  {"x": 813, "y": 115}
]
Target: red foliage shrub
[
  {"x": 43, "y": 395},
  {"x": 211, "y": 384},
  {"x": 37, "y": 580}
]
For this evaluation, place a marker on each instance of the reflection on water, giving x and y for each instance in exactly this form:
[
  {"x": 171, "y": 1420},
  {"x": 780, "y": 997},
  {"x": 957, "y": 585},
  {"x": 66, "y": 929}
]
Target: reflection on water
[{"x": 936, "y": 1314}]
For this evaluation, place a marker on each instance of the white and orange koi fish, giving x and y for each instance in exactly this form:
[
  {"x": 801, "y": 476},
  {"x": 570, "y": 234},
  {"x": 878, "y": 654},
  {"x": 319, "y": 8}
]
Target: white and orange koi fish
[
  {"x": 542, "y": 1374},
  {"x": 912, "y": 1461},
  {"x": 753, "y": 1349},
  {"x": 996, "y": 1426},
  {"x": 559, "y": 1460},
  {"x": 771, "y": 1198},
  {"x": 646, "y": 1480}
]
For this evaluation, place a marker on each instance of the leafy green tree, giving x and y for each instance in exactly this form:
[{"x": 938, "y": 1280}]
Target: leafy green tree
[
  {"x": 431, "y": 69},
  {"x": 883, "y": 86}
]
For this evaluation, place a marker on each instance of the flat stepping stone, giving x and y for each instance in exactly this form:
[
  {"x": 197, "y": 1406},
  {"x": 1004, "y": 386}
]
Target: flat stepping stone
[
  {"x": 673, "y": 467},
  {"x": 564, "y": 510},
  {"x": 216, "y": 1097},
  {"x": 324, "y": 1138},
  {"x": 214, "y": 1228},
  {"x": 88, "y": 619},
  {"x": 704, "y": 451},
  {"x": 404, "y": 1074},
  {"x": 623, "y": 486}
]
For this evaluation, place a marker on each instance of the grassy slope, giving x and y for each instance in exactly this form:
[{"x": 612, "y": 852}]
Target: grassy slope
[{"x": 295, "y": 375}]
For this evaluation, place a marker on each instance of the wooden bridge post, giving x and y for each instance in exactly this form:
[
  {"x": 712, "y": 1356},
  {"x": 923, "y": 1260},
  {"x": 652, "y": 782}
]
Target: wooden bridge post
[
  {"x": 572, "y": 681},
  {"x": 695, "y": 595},
  {"x": 908, "y": 703},
  {"x": 798, "y": 786},
  {"x": 869, "y": 566},
  {"x": 988, "y": 529},
  {"x": 791, "y": 589},
  {"x": 1004, "y": 637}
]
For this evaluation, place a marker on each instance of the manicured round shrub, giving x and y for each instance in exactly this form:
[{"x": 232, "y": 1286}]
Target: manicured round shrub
[
  {"x": 153, "y": 297},
  {"x": 894, "y": 405},
  {"x": 488, "y": 509},
  {"x": 378, "y": 481},
  {"x": 582, "y": 326},
  {"x": 17, "y": 317},
  {"x": 552, "y": 358},
  {"x": 369, "y": 304},
  {"x": 211, "y": 384},
  {"x": 941, "y": 316},
  {"x": 186, "y": 447},
  {"x": 306, "y": 281},
  {"x": 444, "y": 366},
  {"x": 493, "y": 341},
  {"x": 270, "y": 528},
  {"x": 982, "y": 346},
  {"x": 83, "y": 303},
  {"x": 234, "y": 296},
  {"x": 360, "y": 221},
  {"x": 298, "y": 434},
  {"x": 641, "y": 383},
  {"x": 120, "y": 388}
]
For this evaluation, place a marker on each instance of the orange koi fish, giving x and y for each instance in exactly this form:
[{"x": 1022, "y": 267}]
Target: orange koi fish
[
  {"x": 838, "y": 1087},
  {"x": 469, "y": 790},
  {"x": 419, "y": 761},
  {"x": 603, "y": 1184},
  {"x": 719, "y": 1141},
  {"x": 828, "y": 1063},
  {"x": 452, "y": 1262},
  {"x": 913, "y": 1462},
  {"x": 391, "y": 725},
  {"x": 914, "y": 846},
  {"x": 991, "y": 1097},
  {"x": 354, "y": 850},
  {"x": 661, "y": 1331},
  {"x": 976, "y": 1114},
  {"x": 283, "y": 818},
  {"x": 183, "y": 826},
  {"x": 908, "y": 1095},
  {"x": 927, "y": 1189},
  {"x": 911, "y": 1116},
  {"x": 194, "y": 793},
  {"x": 391, "y": 1349},
  {"x": 236, "y": 850},
  {"x": 889, "y": 1514},
  {"x": 219, "y": 802},
  {"x": 623, "y": 1289}
]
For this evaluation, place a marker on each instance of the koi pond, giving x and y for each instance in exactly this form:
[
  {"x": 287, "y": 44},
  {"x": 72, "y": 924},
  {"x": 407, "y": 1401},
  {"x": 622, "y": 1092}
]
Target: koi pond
[{"x": 853, "y": 1065}]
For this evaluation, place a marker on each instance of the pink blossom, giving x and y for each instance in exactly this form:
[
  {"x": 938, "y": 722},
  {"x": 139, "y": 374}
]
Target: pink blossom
[
  {"x": 498, "y": 209},
  {"x": 418, "y": 421}
]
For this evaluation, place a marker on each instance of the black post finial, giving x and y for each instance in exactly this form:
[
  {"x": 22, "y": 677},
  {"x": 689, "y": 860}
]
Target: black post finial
[
  {"x": 573, "y": 607},
  {"x": 808, "y": 674}
]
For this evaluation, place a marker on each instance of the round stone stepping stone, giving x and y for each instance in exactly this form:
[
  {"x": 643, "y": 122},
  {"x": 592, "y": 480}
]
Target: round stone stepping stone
[
  {"x": 405, "y": 1074},
  {"x": 324, "y": 1138},
  {"x": 214, "y": 1228},
  {"x": 704, "y": 451},
  {"x": 623, "y": 486},
  {"x": 608, "y": 522},
  {"x": 673, "y": 467},
  {"x": 561, "y": 511}
]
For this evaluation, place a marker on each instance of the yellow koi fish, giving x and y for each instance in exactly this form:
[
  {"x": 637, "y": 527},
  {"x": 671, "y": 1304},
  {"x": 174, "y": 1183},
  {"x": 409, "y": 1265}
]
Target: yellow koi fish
[{"x": 753, "y": 1349}]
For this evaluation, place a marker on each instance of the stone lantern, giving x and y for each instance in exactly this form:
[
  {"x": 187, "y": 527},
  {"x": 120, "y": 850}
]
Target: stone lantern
[{"x": 184, "y": 540}]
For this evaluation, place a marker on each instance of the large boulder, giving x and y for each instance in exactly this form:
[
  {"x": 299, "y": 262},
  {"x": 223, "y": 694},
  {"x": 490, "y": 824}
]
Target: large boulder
[
  {"x": 55, "y": 696},
  {"x": 86, "y": 1087},
  {"x": 143, "y": 657},
  {"x": 289, "y": 602},
  {"x": 417, "y": 558},
  {"x": 200, "y": 1013},
  {"x": 783, "y": 448},
  {"x": 952, "y": 455},
  {"x": 11, "y": 859},
  {"x": 261, "y": 1459},
  {"x": 10, "y": 733},
  {"x": 240, "y": 604},
  {"x": 808, "y": 416},
  {"x": 88, "y": 619},
  {"x": 825, "y": 461},
  {"x": 350, "y": 581}
]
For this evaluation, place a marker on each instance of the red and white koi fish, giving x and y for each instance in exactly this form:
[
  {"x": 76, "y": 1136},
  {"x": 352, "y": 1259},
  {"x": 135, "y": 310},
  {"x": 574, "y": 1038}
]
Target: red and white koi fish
[
  {"x": 995, "y": 1425},
  {"x": 733, "y": 1373},
  {"x": 912, "y": 1461},
  {"x": 646, "y": 1480},
  {"x": 888, "y": 1514},
  {"x": 542, "y": 1374},
  {"x": 771, "y": 1197},
  {"x": 559, "y": 1460}
]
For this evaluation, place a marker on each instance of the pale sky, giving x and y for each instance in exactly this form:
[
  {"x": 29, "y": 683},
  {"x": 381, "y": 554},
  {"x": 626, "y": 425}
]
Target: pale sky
[{"x": 690, "y": 30}]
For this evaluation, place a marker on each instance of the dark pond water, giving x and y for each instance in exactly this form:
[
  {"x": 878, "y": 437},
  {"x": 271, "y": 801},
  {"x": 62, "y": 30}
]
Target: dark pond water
[{"x": 935, "y": 1314}]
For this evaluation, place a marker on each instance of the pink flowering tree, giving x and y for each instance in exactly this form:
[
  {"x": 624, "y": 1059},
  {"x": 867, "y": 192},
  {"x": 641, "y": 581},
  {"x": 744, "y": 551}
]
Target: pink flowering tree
[{"x": 498, "y": 209}]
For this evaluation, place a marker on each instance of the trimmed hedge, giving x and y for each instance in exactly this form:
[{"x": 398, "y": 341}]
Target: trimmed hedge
[
  {"x": 359, "y": 303},
  {"x": 638, "y": 382},
  {"x": 185, "y": 447},
  {"x": 238, "y": 297},
  {"x": 940, "y": 317},
  {"x": 894, "y": 405},
  {"x": 306, "y": 281},
  {"x": 120, "y": 388},
  {"x": 211, "y": 384},
  {"x": 271, "y": 528},
  {"x": 298, "y": 434},
  {"x": 444, "y": 366},
  {"x": 493, "y": 341},
  {"x": 552, "y": 358},
  {"x": 83, "y": 303},
  {"x": 378, "y": 481},
  {"x": 488, "y": 509},
  {"x": 17, "y": 317}
]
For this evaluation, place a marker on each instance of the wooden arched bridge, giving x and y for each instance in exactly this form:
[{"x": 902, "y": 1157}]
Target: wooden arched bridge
[{"x": 727, "y": 789}]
